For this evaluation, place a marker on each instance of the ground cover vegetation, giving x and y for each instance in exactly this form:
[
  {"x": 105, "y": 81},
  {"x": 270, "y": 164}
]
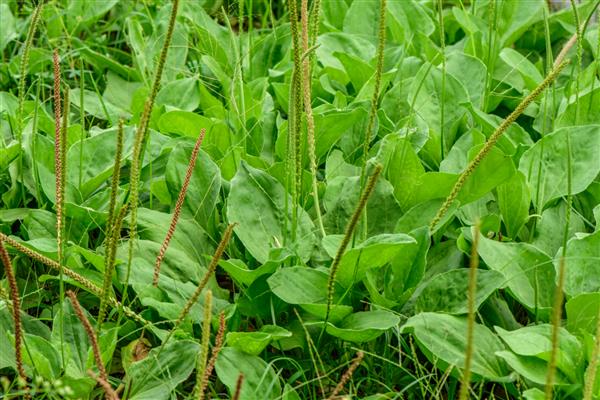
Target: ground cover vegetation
[{"x": 316, "y": 199}]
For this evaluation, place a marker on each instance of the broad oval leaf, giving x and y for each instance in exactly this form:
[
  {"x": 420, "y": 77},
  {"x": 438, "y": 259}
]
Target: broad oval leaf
[
  {"x": 257, "y": 203},
  {"x": 545, "y": 163},
  {"x": 156, "y": 376},
  {"x": 260, "y": 380},
  {"x": 582, "y": 265},
  {"x": 371, "y": 254},
  {"x": 447, "y": 292},
  {"x": 204, "y": 186},
  {"x": 363, "y": 326},
  {"x": 528, "y": 272},
  {"x": 442, "y": 338}
]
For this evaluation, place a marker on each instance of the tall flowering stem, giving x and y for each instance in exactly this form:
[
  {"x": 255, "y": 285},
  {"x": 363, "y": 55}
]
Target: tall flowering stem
[
  {"x": 140, "y": 138},
  {"x": 462, "y": 179},
  {"x": 178, "y": 205},
  {"x": 16, "y": 309},
  {"x": 113, "y": 226},
  {"x": 87, "y": 326},
  {"x": 471, "y": 292},
  {"x": 310, "y": 120},
  {"x": 362, "y": 202}
]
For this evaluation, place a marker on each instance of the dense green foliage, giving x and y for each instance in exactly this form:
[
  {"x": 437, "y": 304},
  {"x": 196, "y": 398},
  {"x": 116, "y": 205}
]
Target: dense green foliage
[{"x": 398, "y": 291}]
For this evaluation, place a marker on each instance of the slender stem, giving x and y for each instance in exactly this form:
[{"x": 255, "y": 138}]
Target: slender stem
[
  {"x": 558, "y": 294},
  {"x": 492, "y": 141},
  {"x": 16, "y": 309},
  {"x": 472, "y": 289},
  {"x": 362, "y": 202},
  {"x": 295, "y": 120},
  {"x": 347, "y": 375},
  {"x": 59, "y": 191},
  {"x": 140, "y": 138},
  {"x": 178, "y": 205},
  {"x": 35, "y": 19},
  {"x": 310, "y": 120},
  {"x": 112, "y": 228},
  {"x": 377, "y": 87},
  {"x": 590, "y": 372},
  {"x": 443, "y": 97}
]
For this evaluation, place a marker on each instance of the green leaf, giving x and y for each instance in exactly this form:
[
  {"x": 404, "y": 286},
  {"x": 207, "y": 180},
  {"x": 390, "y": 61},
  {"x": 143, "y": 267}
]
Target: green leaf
[
  {"x": 156, "y": 376},
  {"x": 531, "y": 368},
  {"x": 204, "y": 186},
  {"x": 300, "y": 285},
  {"x": 428, "y": 99},
  {"x": 91, "y": 167},
  {"x": 471, "y": 72},
  {"x": 517, "y": 62},
  {"x": 407, "y": 19},
  {"x": 330, "y": 43},
  {"x": 97, "y": 105},
  {"x": 371, "y": 254},
  {"x": 588, "y": 104},
  {"x": 528, "y": 272},
  {"x": 341, "y": 198},
  {"x": 363, "y": 326},
  {"x": 260, "y": 380},
  {"x": 183, "y": 94},
  {"x": 536, "y": 341},
  {"x": 582, "y": 265},
  {"x": 257, "y": 202},
  {"x": 189, "y": 237},
  {"x": 513, "y": 201},
  {"x": 442, "y": 338},
  {"x": 582, "y": 313},
  {"x": 240, "y": 272},
  {"x": 545, "y": 163},
  {"x": 254, "y": 343},
  {"x": 307, "y": 287},
  {"x": 492, "y": 171},
  {"x": 447, "y": 292},
  {"x": 8, "y": 30}
]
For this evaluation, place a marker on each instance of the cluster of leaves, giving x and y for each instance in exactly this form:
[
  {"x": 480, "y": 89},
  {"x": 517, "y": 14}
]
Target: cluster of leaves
[{"x": 450, "y": 76}]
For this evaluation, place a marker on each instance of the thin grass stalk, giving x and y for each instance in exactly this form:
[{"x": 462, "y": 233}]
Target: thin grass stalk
[
  {"x": 111, "y": 394},
  {"x": 140, "y": 137},
  {"x": 310, "y": 120},
  {"x": 315, "y": 19},
  {"x": 491, "y": 51},
  {"x": 111, "y": 227},
  {"x": 314, "y": 356},
  {"x": 578, "y": 33},
  {"x": 472, "y": 289},
  {"x": 203, "y": 354},
  {"x": 16, "y": 309},
  {"x": 238, "y": 387},
  {"x": 443, "y": 97},
  {"x": 558, "y": 294},
  {"x": 362, "y": 202},
  {"x": 209, "y": 272},
  {"x": 590, "y": 372},
  {"x": 84, "y": 282},
  {"x": 59, "y": 159},
  {"x": 294, "y": 116},
  {"x": 35, "y": 19},
  {"x": 347, "y": 375},
  {"x": 377, "y": 88},
  {"x": 492, "y": 141},
  {"x": 194, "y": 297},
  {"x": 89, "y": 330},
  {"x": 180, "y": 199},
  {"x": 556, "y": 322},
  {"x": 213, "y": 357}
]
